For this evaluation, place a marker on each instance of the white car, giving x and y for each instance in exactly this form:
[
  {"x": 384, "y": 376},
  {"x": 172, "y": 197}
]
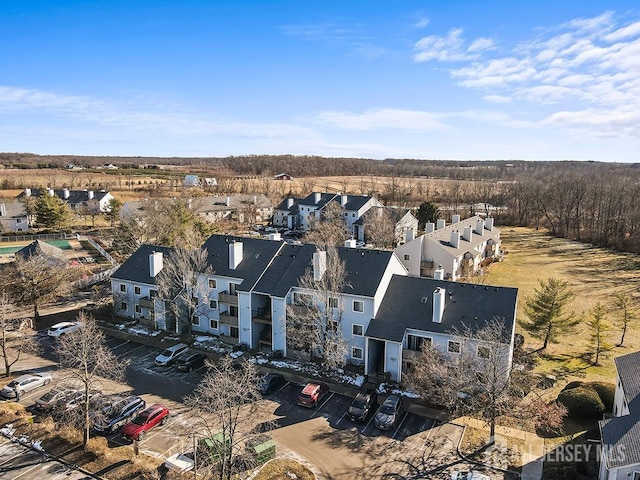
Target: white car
[
  {"x": 468, "y": 476},
  {"x": 170, "y": 354},
  {"x": 25, "y": 383},
  {"x": 63, "y": 328}
]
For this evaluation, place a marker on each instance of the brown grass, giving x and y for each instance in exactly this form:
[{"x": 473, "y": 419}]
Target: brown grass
[{"x": 284, "y": 469}]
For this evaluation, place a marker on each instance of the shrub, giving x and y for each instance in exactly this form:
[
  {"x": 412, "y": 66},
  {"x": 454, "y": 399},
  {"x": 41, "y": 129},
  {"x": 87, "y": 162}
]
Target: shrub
[
  {"x": 606, "y": 391},
  {"x": 582, "y": 402},
  {"x": 574, "y": 384}
]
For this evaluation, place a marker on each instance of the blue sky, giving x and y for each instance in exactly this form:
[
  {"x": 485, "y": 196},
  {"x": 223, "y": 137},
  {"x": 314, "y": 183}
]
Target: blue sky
[{"x": 462, "y": 80}]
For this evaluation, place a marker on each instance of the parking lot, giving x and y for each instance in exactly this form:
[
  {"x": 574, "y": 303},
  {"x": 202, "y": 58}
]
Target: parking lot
[{"x": 323, "y": 437}]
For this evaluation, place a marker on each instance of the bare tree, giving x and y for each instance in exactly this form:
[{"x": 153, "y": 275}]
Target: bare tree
[
  {"x": 40, "y": 277},
  {"x": 329, "y": 229},
  {"x": 93, "y": 209},
  {"x": 598, "y": 327},
  {"x": 478, "y": 379},
  {"x": 380, "y": 227},
  {"x": 16, "y": 335},
  {"x": 89, "y": 363},
  {"x": 314, "y": 321},
  {"x": 183, "y": 281},
  {"x": 224, "y": 410}
]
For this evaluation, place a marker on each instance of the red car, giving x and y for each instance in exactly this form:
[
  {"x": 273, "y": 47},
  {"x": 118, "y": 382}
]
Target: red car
[
  {"x": 145, "y": 421},
  {"x": 312, "y": 394}
]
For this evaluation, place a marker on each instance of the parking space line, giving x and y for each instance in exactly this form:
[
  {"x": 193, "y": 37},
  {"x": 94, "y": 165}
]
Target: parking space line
[
  {"x": 323, "y": 404},
  {"x": 120, "y": 344},
  {"x": 38, "y": 465},
  {"x": 343, "y": 415},
  {"x": 406, "y": 414},
  {"x": 134, "y": 349}
]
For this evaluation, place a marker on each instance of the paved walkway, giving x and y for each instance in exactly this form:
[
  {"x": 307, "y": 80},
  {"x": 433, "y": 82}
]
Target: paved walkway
[{"x": 532, "y": 452}]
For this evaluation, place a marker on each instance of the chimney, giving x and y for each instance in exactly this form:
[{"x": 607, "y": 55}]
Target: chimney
[
  {"x": 480, "y": 227},
  {"x": 3, "y": 210},
  {"x": 275, "y": 236},
  {"x": 409, "y": 235},
  {"x": 235, "y": 254},
  {"x": 350, "y": 243},
  {"x": 27, "y": 192},
  {"x": 319, "y": 265},
  {"x": 488, "y": 223},
  {"x": 441, "y": 224},
  {"x": 50, "y": 192},
  {"x": 316, "y": 197},
  {"x": 155, "y": 263},
  {"x": 227, "y": 201},
  {"x": 289, "y": 202},
  {"x": 438, "y": 304},
  {"x": 455, "y": 239},
  {"x": 438, "y": 274},
  {"x": 90, "y": 194},
  {"x": 65, "y": 193},
  {"x": 343, "y": 199},
  {"x": 429, "y": 227},
  {"x": 467, "y": 234},
  {"x": 455, "y": 219}
]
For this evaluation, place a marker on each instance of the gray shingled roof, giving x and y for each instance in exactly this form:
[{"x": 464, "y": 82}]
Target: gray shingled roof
[
  {"x": 257, "y": 254},
  {"x": 622, "y": 436},
  {"x": 136, "y": 267},
  {"x": 365, "y": 268},
  {"x": 38, "y": 247},
  {"x": 354, "y": 202},
  {"x": 75, "y": 196},
  {"x": 395, "y": 213},
  {"x": 15, "y": 210},
  {"x": 408, "y": 303},
  {"x": 207, "y": 204},
  {"x": 628, "y": 367},
  {"x": 442, "y": 236},
  {"x": 283, "y": 205}
]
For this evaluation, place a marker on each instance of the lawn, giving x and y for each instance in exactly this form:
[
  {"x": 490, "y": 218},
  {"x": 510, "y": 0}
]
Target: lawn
[{"x": 593, "y": 273}]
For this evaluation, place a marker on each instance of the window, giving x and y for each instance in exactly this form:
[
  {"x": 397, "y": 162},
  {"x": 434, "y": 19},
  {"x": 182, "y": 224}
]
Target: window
[
  {"x": 356, "y": 352},
  {"x": 407, "y": 257},
  {"x": 123, "y": 287},
  {"x": 333, "y": 302},
  {"x": 483, "y": 352},
  {"x": 213, "y": 323},
  {"x": 213, "y": 304},
  {"x": 358, "y": 306},
  {"x": 19, "y": 221},
  {"x": 232, "y": 288},
  {"x": 195, "y": 320},
  {"x": 353, "y": 214},
  {"x": 124, "y": 306},
  {"x": 416, "y": 343},
  {"x": 234, "y": 332},
  {"x": 454, "y": 347},
  {"x": 212, "y": 283},
  {"x": 136, "y": 290},
  {"x": 636, "y": 475},
  {"x": 357, "y": 329},
  {"x": 138, "y": 309}
]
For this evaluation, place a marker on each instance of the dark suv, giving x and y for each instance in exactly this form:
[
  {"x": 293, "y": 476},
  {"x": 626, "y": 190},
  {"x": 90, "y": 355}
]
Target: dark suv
[
  {"x": 117, "y": 412},
  {"x": 190, "y": 360},
  {"x": 389, "y": 413},
  {"x": 365, "y": 402}
]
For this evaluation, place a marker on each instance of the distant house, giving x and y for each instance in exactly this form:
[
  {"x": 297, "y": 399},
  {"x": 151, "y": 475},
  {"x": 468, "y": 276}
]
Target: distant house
[
  {"x": 210, "y": 182},
  {"x": 191, "y": 181},
  {"x": 241, "y": 208},
  {"x": 405, "y": 224},
  {"x": 13, "y": 217},
  {"x": 620, "y": 456},
  {"x": 76, "y": 199},
  {"x": 459, "y": 248},
  {"x": 299, "y": 213},
  {"x": 282, "y": 176}
]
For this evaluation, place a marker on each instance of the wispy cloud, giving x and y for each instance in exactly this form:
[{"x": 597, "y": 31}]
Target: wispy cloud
[
  {"x": 383, "y": 118},
  {"x": 421, "y": 22},
  {"x": 585, "y": 72}
]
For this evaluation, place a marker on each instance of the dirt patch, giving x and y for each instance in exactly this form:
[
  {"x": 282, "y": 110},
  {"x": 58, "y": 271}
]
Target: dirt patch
[{"x": 284, "y": 469}]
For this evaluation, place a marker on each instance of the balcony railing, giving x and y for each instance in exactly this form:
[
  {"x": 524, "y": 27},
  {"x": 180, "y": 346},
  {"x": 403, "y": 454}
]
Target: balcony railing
[
  {"x": 228, "y": 339},
  {"x": 408, "y": 354},
  {"x": 146, "y": 302},
  {"x": 299, "y": 309},
  {"x": 229, "y": 319},
  {"x": 265, "y": 337},
  {"x": 261, "y": 315},
  {"x": 227, "y": 298}
]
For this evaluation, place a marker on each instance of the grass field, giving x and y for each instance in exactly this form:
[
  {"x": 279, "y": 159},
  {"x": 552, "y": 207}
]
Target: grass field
[{"x": 593, "y": 273}]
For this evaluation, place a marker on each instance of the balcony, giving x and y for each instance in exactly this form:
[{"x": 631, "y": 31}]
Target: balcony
[
  {"x": 224, "y": 297},
  {"x": 229, "y": 319},
  {"x": 298, "y": 309},
  {"x": 262, "y": 315},
  {"x": 146, "y": 302},
  {"x": 265, "y": 337},
  {"x": 408, "y": 354},
  {"x": 229, "y": 340}
]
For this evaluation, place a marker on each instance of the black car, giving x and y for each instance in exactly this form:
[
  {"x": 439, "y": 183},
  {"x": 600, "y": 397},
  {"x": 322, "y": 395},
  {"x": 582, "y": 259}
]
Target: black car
[
  {"x": 116, "y": 412},
  {"x": 270, "y": 383},
  {"x": 389, "y": 413},
  {"x": 365, "y": 402},
  {"x": 190, "y": 360}
]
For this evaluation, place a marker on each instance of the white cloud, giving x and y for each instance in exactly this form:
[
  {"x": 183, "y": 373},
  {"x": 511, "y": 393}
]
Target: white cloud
[
  {"x": 632, "y": 30},
  {"x": 383, "y": 118},
  {"x": 421, "y": 23},
  {"x": 496, "y": 99},
  {"x": 446, "y": 49},
  {"x": 481, "y": 43}
]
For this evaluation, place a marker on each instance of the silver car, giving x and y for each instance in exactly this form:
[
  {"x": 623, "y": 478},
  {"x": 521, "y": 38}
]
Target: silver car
[{"x": 25, "y": 383}]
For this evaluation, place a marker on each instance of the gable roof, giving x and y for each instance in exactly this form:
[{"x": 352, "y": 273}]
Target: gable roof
[
  {"x": 293, "y": 208},
  {"x": 364, "y": 269},
  {"x": 408, "y": 303},
  {"x": 75, "y": 196},
  {"x": 208, "y": 204},
  {"x": 628, "y": 367},
  {"x": 136, "y": 267},
  {"x": 38, "y": 247},
  {"x": 14, "y": 210},
  {"x": 354, "y": 202},
  {"x": 395, "y": 213},
  {"x": 257, "y": 254}
]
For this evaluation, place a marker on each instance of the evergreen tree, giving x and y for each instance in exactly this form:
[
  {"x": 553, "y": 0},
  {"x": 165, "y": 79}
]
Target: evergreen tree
[
  {"x": 427, "y": 212},
  {"x": 598, "y": 327},
  {"x": 546, "y": 311},
  {"x": 625, "y": 305},
  {"x": 113, "y": 211},
  {"x": 51, "y": 211}
]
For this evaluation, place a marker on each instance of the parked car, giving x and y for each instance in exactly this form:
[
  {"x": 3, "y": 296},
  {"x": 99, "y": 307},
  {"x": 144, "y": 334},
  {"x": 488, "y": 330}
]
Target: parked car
[
  {"x": 54, "y": 396},
  {"x": 312, "y": 394},
  {"x": 170, "y": 354},
  {"x": 469, "y": 476},
  {"x": 25, "y": 383},
  {"x": 113, "y": 416},
  {"x": 63, "y": 328},
  {"x": 389, "y": 413},
  {"x": 145, "y": 421},
  {"x": 270, "y": 383},
  {"x": 190, "y": 360},
  {"x": 76, "y": 399},
  {"x": 365, "y": 402}
]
